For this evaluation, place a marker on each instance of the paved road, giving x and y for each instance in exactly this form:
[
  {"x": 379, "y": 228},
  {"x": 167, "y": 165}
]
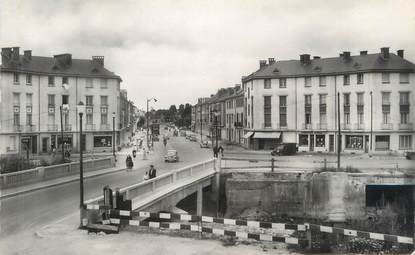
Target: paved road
[{"x": 32, "y": 210}]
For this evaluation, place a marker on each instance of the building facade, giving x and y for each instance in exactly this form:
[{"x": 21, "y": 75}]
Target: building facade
[
  {"x": 39, "y": 96},
  {"x": 234, "y": 111},
  {"x": 296, "y": 101}
]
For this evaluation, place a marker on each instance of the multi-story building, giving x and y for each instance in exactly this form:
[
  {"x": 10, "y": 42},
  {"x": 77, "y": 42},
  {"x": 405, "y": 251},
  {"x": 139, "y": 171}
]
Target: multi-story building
[
  {"x": 297, "y": 101},
  {"x": 37, "y": 92},
  {"x": 201, "y": 117},
  {"x": 233, "y": 127}
]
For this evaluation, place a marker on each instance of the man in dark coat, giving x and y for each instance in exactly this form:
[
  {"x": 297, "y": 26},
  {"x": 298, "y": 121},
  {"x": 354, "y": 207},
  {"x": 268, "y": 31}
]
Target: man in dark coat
[
  {"x": 215, "y": 152},
  {"x": 152, "y": 172}
]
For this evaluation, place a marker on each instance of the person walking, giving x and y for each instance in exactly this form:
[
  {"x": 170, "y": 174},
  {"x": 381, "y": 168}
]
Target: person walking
[
  {"x": 215, "y": 152},
  {"x": 221, "y": 150},
  {"x": 152, "y": 172}
]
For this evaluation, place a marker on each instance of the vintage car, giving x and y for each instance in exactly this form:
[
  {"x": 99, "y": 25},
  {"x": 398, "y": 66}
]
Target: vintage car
[
  {"x": 204, "y": 144},
  {"x": 192, "y": 138},
  {"x": 285, "y": 149},
  {"x": 171, "y": 156}
]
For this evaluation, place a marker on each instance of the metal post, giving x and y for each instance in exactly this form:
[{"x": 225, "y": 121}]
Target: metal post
[
  {"x": 63, "y": 149},
  {"x": 371, "y": 120},
  {"x": 81, "y": 168},
  {"x": 113, "y": 136},
  {"x": 147, "y": 122},
  {"x": 272, "y": 164},
  {"x": 339, "y": 136},
  {"x": 216, "y": 129}
]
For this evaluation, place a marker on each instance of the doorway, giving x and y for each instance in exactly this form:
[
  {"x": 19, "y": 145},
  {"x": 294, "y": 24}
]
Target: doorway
[
  {"x": 331, "y": 143},
  {"x": 45, "y": 142},
  {"x": 311, "y": 142}
]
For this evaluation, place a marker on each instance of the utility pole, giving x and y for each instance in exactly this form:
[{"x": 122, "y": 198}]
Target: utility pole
[
  {"x": 371, "y": 120},
  {"x": 339, "y": 136},
  {"x": 63, "y": 149}
]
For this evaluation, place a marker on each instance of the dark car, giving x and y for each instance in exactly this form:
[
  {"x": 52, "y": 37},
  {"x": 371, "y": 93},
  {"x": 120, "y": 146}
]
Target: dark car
[
  {"x": 285, "y": 149},
  {"x": 410, "y": 155}
]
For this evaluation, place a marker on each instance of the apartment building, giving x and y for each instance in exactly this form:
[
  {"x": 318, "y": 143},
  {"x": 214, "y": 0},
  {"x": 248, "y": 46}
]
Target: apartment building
[
  {"x": 296, "y": 101},
  {"x": 234, "y": 110},
  {"x": 39, "y": 96}
]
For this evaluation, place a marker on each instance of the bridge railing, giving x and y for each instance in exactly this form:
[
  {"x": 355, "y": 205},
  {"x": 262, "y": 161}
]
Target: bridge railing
[
  {"x": 152, "y": 185},
  {"x": 51, "y": 172}
]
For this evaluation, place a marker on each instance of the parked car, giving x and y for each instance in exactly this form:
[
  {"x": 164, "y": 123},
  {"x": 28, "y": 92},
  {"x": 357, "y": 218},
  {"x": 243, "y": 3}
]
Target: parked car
[
  {"x": 410, "y": 155},
  {"x": 192, "y": 138},
  {"x": 171, "y": 156},
  {"x": 204, "y": 144},
  {"x": 285, "y": 149}
]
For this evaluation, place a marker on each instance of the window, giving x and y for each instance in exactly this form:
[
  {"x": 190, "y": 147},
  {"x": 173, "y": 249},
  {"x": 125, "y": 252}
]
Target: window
[
  {"x": 16, "y": 78},
  {"x": 308, "y": 118},
  {"x": 346, "y": 79},
  {"x": 89, "y": 100},
  {"x": 303, "y": 140},
  {"x": 29, "y": 99},
  {"x": 323, "y": 109},
  {"x": 404, "y": 78},
  {"x": 404, "y": 117},
  {"x": 307, "y": 82},
  {"x": 28, "y": 79},
  {"x": 360, "y": 98},
  {"x": 382, "y": 142},
  {"x": 385, "y": 78},
  {"x": 51, "y": 100},
  {"x": 28, "y": 119},
  {"x": 65, "y": 99},
  {"x": 65, "y": 80},
  {"x": 360, "y": 78},
  {"x": 283, "y": 111},
  {"x": 323, "y": 99},
  {"x": 307, "y": 99},
  {"x": 320, "y": 140},
  {"x": 385, "y": 117},
  {"x": 51, "y": 81},
  {"x": 346, "y": 98},
  {"x": 347, "y": 118},
  {"x": 16, "y": 99},
  {"x": 104, "y": 84},
  {"x": 267, "y": 83},
  {"x": 104, "y": 100},
  {"x": 360, "y": 118},
  {"x": 322, "y": 81},
  {"x": 12, "y": 143},
  {"x": 51, "y": 119},
  {"x": 283, "y": 82},
  {"x": 354, "y": 142},
  {"x": 16, "y": 119},
  {"x": 405, "y": 142},
  {"x": 267, "y": 111},
  {"x": 104, "y": 118},
  {"x": 403, "y": 98},
  {"x": 102, "y": 141},
  {"x": 386, "y": 98},
  {"x": 89, "y": 83},
  {"x": 89, "y": 119}
]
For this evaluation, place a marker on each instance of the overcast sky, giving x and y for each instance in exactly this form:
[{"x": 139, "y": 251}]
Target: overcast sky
[{"x": 178, "y": 51}]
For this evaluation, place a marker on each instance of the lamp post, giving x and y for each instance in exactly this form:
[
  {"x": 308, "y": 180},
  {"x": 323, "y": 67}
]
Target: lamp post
[
  {"x": 148, "y": 100},
  {"x": 113, "y": 136},
  {"x": 216, "y": 113},
  {"x": 81, "y": 110},
  {"x": 63, "y": 107}
]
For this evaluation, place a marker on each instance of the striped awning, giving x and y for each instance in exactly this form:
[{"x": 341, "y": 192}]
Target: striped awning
[{"x": 249, "y": 134}]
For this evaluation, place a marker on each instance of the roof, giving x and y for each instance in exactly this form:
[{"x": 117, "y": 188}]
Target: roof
[
  {"x": 330, "y": 66},
  {"x": 48, "y": 65}
]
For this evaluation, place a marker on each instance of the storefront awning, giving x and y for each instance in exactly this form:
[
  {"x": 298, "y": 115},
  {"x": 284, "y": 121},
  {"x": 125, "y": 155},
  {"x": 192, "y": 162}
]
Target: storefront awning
[
  {"x": 267, "y": 135},
  {"x": 249, "y": 134}
]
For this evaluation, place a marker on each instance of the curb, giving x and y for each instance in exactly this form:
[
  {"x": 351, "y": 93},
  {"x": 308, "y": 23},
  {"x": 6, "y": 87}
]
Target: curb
[{"x": 57, "y": 184}]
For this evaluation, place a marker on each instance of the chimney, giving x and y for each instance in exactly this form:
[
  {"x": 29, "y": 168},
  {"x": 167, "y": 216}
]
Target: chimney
[
  {"x": 271, "y": 61},
  {"x": 305, "y": 59},
  {"x": 28, "y": 54},
  {"x": 64, "y": 59},
  {"x": 400, "y": 53},
  {"x": 346, "y": 55},
  {"x": 385, "y": 52},
  {"x": 98, "y": 60},
  {"x": 363, "y": 53},
  {"x": 262, "y": 63},
  {"x": 15, "y": 55},
  {"x": 6, "y": 55},
  {"x": 316, "y": 57}
]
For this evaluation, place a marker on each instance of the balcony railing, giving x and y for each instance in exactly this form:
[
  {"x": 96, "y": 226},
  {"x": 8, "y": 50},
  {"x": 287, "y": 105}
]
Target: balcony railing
[
  {"x": 105, "y": 127},
  {"x": 52, "y": 127},
  {"x": 238, "y": 125},
  {"x": 30, "y": 128},
  {"x": 359, "y": 126},
  {"x": 90, "y": 127},
  {"x": 307, "y": 126},
  {"x": 405, "y": 126},
  {"x": 404, "y": 107},
  {"x": 17, "y": 128},
  {"x": 322, "y": 126},
  {"x": 387, "y": 126},
  {"x": 346, "y": 126}
]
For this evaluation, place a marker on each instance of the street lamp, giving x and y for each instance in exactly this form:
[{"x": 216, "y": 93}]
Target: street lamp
[
  {"x": 63, "y": 107},
  {"x": 148, "y": 100},
  {"x": 81, "y": 111},
  {"x": 216, "y": 114},
  {"x": 113, "y": 136}
]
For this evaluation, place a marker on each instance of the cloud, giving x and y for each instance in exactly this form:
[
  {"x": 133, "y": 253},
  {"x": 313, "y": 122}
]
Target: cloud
[{"x": 179, "y": 50}]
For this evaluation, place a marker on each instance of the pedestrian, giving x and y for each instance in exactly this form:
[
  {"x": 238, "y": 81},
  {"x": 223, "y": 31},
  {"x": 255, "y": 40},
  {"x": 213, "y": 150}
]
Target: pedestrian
[
  {"x": 53, "y": 151},
  {"x": 215, "y": 152},
  {"x": 146, "y": 176},
  {"x": 221, "y": 150},
  {"x": 152, "y": 172}
]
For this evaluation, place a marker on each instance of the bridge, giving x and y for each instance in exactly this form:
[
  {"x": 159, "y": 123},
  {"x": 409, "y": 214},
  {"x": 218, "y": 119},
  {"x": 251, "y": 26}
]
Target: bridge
[{"x": 165, "y": 191}]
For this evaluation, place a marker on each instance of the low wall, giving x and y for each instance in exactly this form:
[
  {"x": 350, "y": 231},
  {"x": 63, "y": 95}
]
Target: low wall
[
  {"x": 51, "y": 172},
  {"x": 326, "y": 197}
]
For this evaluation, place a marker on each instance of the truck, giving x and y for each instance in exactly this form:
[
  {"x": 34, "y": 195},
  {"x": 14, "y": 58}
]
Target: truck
[{"x": 285, "y": 149}]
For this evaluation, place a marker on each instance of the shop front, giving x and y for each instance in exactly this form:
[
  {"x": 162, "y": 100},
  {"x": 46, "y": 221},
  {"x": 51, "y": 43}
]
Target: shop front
[
  {"x": 266, "y": 140},
  {"x": 102, "y": 142},
  {"x": 312, "y": 142}
]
